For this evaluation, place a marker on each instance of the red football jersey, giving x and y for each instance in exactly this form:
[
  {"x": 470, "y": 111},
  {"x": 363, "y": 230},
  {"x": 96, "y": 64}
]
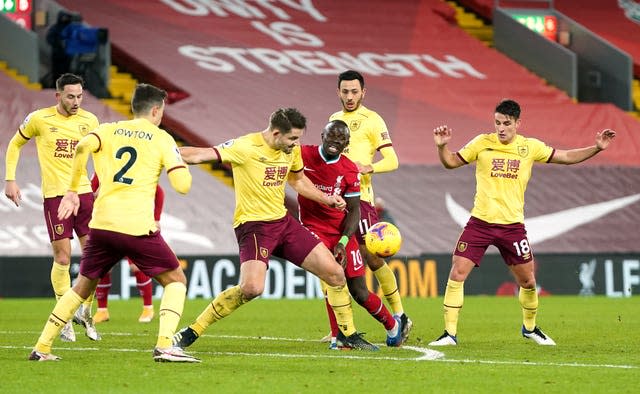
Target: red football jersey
[{"x": 333, "y": 177}]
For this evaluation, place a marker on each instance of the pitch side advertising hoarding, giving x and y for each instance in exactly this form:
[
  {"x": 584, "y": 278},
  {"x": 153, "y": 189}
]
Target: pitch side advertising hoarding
[{"x": 612, "y": 275}]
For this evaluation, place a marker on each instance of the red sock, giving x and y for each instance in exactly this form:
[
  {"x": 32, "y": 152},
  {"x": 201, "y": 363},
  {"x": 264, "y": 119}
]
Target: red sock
[
  {"x": 376, "y": 308},
  {"x": 102, "y": 291},
  {"x": 145, "y": 287},
  {"x": 332, "y": 319}
]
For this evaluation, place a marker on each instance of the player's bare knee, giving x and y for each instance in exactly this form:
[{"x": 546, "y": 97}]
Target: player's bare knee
[
  {"x": 251, "y": 291},
  {"x": 359, "y": 295},
  {"x": 176, "y": 275},
  {"x": 84, "y": 286},
  {"x": 528, "y": 283},
  {"x": 457, "y": 275},
  {"x": 62, "y": 258},
  {"x": 335, "y": 278},
  {"x": 374, "y": 262},
  {"x": 460, "y": 271}
]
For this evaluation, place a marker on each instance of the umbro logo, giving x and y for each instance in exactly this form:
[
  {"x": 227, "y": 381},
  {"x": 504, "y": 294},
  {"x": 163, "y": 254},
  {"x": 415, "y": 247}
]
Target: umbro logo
[{"x": 53, "y": 129}]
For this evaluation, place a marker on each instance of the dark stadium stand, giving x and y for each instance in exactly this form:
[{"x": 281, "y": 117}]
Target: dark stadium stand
[
  {"x": 605, "y": 18},
  {"x": 608, "y": 20},
  {"x": 239, "y": 62}
]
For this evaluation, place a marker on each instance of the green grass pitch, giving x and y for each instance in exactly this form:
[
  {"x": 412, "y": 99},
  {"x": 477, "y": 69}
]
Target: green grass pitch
[{"x": 273, "y": 346}]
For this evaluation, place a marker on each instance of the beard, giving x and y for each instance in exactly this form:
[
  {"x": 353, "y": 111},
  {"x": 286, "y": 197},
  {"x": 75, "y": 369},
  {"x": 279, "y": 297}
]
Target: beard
[{"x": 344, "y": 106}]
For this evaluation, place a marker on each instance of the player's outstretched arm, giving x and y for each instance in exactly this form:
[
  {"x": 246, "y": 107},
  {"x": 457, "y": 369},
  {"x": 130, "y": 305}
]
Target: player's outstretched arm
[
  {"x": 180, "y": 179},
  {"x": 442, "y": 137},
  {"x": 573, "y": 156},
  {"x": 195, "y": 155},
  {"x": 388, "y": 163},
  {"x": 303, "y": 186},
  {"x": 11, "y": 188}
]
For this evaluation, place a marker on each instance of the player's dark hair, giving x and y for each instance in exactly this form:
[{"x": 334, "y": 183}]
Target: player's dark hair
[
  {"x": 68, "y": 79},
  {"x": 508, "y": 107},
  {"x": 284, "y": 119},
  {"x": 337, "y": 125},
  {"x": 146, "y": 97},
  {"x": 350, "y": 75}
]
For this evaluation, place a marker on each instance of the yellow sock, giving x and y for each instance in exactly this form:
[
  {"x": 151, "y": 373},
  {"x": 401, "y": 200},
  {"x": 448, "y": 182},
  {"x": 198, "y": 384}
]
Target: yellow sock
[
  {"x": 60, "y": 279},
  {"x": 324, "y": 286},
  {"x": 171, "y": 307},
  {"x": 222, "y": 306},
  {"x": 453, "y": 300},
  {"x": 389, "y": 286},
  {"x": 88, "y": 303},
  {"x": 529, "y": 302},
  {"x": 340, "y": 300},
  {"x": 61, "y": 314}
]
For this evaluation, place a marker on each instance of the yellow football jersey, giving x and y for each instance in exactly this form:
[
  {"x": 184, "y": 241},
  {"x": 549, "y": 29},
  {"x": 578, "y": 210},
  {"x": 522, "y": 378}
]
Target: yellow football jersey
[
  {"x": 56, "y": 138},
  {"x": 259, "y": 175},
  {"x": 502, "y": 174},
  {"x": 368, "y": 134},
  {"x": 128, "y": 162}
]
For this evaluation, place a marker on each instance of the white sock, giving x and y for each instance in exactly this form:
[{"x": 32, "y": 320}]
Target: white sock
[{"x": 394, "y": 331}]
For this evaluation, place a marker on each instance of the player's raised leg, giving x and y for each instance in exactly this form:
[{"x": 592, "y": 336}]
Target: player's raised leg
[{"x": 252, "y": 277}]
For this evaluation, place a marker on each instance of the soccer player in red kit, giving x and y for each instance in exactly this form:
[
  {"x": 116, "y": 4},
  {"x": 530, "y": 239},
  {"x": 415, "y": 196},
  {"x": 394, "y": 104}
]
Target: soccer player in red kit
[{"x": 334, "y": 174}]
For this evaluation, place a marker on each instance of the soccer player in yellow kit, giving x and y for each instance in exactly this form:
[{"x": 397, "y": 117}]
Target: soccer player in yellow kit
[
  {"x": 128, "y": 157},
  {"x": 369, "y": 135},
  {"x": 262, "y": 164},
  {"x": 503, "y": 169},
  {"x": 57, "y": 131}
]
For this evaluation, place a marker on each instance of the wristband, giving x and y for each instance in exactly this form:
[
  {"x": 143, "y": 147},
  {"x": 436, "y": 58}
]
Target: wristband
[{"x": 343, "y": 240}]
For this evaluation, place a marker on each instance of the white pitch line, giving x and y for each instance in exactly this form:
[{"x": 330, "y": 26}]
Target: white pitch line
[
  {"x": 334, "y": 354},
  {"x": 425, "y": 354},
  {"x": 540, "y": 364}
]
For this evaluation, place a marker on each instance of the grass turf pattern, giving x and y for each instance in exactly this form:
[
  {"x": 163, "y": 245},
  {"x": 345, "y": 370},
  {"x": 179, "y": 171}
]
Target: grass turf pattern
[{"x": 273, "y": 346}]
